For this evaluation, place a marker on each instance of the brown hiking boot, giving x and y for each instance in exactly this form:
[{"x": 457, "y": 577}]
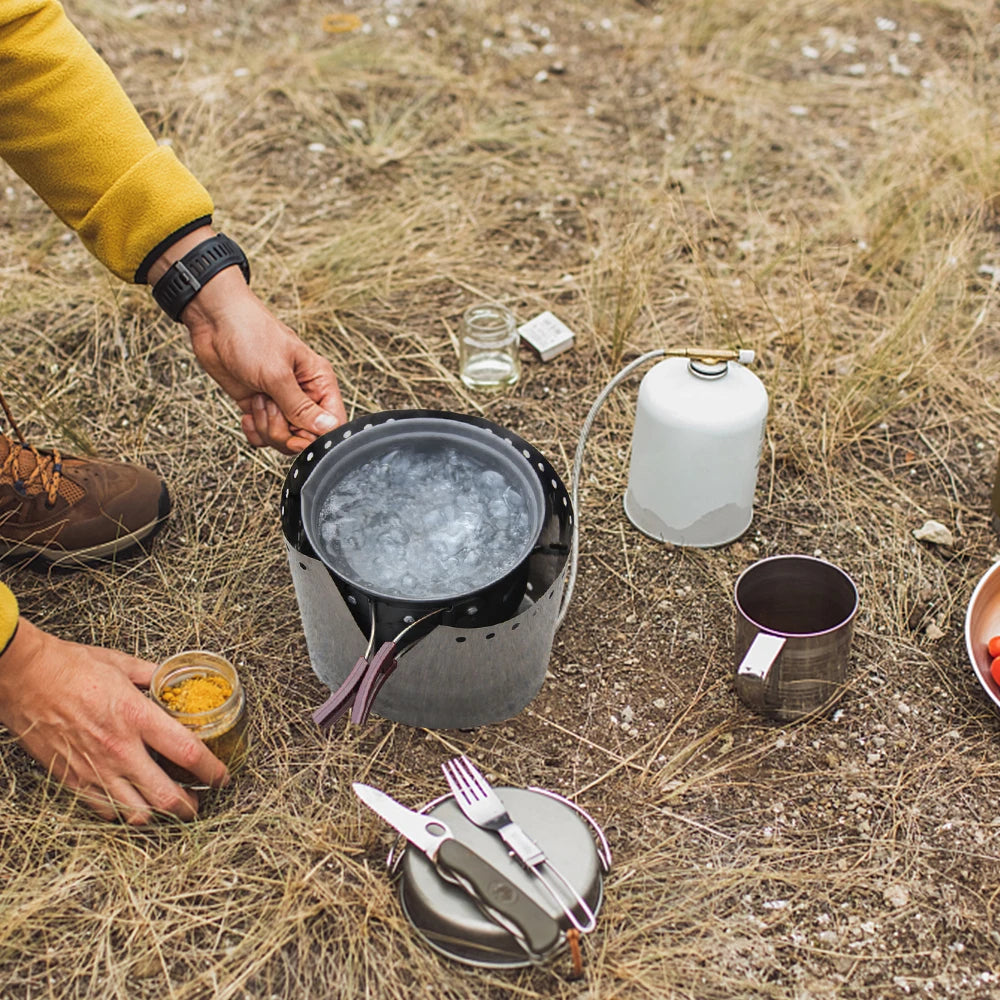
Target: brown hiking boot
[{"x": 74, "y": 510}]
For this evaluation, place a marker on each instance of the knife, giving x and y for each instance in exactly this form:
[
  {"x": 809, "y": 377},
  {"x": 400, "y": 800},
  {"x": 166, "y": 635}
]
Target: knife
[{"x": 534, "y": 928}]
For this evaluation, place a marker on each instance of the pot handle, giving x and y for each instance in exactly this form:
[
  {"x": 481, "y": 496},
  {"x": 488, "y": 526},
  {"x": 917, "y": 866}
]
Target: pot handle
[
  {"x": 755, "y": 667},
  {"x": 340, "y": 702},
  {"x": 359, "y": 690},
  {"x": 383, "y": 663},
  {"x": 362, "y": 685}
]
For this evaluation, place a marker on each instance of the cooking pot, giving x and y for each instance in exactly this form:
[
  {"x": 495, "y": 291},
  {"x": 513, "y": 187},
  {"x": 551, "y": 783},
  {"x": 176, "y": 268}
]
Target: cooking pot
[
  {"x": 392, "y": 618},
  {"x": 499, "y": 593},
  {"x": 445, "y": 916}
]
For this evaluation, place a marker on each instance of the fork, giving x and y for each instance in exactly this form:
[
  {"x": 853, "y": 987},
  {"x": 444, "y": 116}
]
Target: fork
[{"x": 482, "y": 806}]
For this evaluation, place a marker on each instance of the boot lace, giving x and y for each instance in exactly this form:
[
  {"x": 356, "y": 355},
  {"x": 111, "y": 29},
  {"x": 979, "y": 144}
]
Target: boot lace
[{"x": 46, "y": 472}]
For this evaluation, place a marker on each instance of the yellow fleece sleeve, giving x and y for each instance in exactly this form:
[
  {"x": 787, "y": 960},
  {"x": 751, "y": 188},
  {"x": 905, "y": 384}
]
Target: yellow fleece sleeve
[
  {"x": 68, "y": 129},
  {"x": 8, "y": 616}
]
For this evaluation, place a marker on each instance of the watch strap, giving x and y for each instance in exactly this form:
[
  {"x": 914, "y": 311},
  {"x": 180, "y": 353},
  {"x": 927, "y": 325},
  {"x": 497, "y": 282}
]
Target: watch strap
[{"x": 186, "y": 277}]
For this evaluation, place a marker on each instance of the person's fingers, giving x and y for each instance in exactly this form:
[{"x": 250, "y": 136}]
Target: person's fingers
[
  {"x": 172, "y": 741},
  {"x": 122, "y": 800},
  {"x": 254, "y": 412},
  {"x": 136, "y": 794},
  {"x": 149, "y": 790},
  {"x": 324, "y": 390},
  {"x": 300, "y": 410},
  {"x": 95, "y": 799},
  {"x": 115, "y": 799},
  {"x": 139, "y": 672},
  {"x": 261, "y": 418},
  {"x": 269, "y": 428},
  {"x": 266, "y": 426},
  {"x": 298, "y": 441},
  {"x": 250, "y": 432},
  {"x": 277, "y": 431},
  {"x": 282, "y": 436}
]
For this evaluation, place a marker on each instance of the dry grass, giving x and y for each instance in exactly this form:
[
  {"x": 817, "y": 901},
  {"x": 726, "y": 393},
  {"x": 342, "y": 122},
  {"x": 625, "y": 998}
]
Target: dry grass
[{"x": 798, "y": 177}]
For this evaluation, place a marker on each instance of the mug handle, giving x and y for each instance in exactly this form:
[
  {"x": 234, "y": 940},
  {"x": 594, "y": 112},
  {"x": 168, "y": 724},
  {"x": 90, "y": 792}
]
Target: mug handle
[{"x": 753, "y": 671}]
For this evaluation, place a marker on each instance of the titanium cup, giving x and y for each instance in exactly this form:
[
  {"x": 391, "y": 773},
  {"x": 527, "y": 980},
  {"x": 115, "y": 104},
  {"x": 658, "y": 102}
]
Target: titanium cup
[{"x": 794, "y": 620}]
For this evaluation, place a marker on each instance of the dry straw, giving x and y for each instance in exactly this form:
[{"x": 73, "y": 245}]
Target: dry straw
[{"x": 815, "y": 181}]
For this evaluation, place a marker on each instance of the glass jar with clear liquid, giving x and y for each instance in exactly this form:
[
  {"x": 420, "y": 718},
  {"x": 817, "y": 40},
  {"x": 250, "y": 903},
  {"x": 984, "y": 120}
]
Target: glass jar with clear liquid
[{"x": 488, "y": 345}]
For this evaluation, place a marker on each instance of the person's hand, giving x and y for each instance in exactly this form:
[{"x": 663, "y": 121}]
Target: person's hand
[
  {"x": 76, "y": 709},
  {"x": 287, "y": 392}
]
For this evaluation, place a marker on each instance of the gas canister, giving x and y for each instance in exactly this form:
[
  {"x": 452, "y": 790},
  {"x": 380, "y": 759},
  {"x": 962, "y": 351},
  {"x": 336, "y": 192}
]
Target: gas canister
[{"x": 696, "y": 446}]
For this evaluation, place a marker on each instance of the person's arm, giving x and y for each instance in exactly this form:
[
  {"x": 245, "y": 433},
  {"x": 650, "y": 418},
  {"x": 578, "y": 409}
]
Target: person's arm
[
  {"x": 77, "y": 710},
  {"x": 68, "y": 128}
]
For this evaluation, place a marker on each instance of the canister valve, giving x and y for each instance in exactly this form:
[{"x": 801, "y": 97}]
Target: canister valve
[{"x": 711, "y": 355}]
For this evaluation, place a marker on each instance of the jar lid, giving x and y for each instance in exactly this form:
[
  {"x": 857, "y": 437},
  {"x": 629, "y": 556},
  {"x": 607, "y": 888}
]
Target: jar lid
[{"x": 449, "y": 920}]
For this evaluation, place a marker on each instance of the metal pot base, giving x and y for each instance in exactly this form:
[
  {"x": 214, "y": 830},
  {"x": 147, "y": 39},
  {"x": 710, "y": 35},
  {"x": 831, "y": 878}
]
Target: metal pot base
[{"x": 453, "y": 678}]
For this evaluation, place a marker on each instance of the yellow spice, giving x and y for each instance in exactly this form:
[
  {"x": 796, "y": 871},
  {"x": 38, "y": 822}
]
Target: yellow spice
[{"x": 197, "y": 694}]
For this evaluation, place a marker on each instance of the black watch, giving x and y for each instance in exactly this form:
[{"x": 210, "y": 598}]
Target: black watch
[{"x": 186, "y": 277}]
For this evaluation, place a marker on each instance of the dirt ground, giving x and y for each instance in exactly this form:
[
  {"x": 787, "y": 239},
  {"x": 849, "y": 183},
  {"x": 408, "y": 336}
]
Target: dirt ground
[{"x": 814, "y": 181}]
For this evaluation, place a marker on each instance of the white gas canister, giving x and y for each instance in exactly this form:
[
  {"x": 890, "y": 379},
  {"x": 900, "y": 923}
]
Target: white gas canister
[{"x": 699, "y": 427}]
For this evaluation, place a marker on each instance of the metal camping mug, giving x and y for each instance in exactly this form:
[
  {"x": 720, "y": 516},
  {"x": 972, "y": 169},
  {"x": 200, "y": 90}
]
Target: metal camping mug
[{"x": 794, "y": 620}]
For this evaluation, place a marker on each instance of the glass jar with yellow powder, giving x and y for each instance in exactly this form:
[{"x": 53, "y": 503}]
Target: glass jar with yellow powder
[{"x": 203, "y": 692}]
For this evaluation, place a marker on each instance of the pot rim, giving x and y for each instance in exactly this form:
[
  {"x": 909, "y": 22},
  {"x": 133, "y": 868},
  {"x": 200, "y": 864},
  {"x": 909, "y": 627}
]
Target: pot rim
[{"x": 478, "y": 431}]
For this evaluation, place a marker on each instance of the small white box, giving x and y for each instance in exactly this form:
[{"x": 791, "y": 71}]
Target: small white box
[{"x": 547, "y": 335}]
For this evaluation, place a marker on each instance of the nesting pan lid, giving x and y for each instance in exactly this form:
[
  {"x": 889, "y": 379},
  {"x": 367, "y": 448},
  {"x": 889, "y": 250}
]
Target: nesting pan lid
[
  {"x": 982, "y": 622},
  {"x": 448, "y": 919}
]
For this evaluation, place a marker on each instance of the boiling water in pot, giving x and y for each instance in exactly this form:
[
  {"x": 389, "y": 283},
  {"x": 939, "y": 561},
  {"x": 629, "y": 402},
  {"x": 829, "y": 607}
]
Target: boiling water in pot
[{"x": 424, "y": 523}]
